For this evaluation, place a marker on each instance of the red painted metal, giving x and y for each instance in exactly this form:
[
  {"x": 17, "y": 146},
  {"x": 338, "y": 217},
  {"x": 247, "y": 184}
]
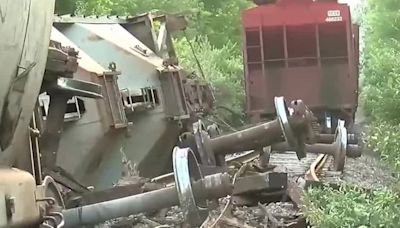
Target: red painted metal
[{"x": 301, "y": 49}]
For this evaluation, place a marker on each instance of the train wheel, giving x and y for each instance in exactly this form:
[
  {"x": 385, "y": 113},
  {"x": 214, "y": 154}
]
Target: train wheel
[{"x": 187, "y": 140}]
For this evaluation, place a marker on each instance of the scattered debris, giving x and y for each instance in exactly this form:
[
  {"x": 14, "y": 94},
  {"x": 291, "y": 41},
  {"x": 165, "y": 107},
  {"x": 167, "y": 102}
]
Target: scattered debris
[{"x": 255, "y": 203}]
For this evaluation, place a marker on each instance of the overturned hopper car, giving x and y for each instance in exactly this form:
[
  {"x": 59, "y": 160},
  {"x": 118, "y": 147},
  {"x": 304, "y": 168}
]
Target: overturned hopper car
[
  {"x": 147, "y": 98},
  {"x": 305, "y": 50}
]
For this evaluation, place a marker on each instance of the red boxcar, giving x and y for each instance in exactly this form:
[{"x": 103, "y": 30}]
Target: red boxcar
[{"x": 301, "y": 49}]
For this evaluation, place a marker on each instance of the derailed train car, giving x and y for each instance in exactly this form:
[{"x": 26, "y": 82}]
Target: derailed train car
[
  {"x": 143, "y": 99},
  {"x": 147, "y": 99},
  {"x": 301, "y": 49}
]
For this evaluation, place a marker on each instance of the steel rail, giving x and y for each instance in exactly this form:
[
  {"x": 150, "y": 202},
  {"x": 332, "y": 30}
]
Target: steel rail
[{"x": 315, "y": 168}]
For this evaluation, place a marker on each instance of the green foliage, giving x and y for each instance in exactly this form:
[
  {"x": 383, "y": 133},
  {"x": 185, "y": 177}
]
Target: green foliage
[
  {"x": 221, "y": 16},
  {"x": 222, "y": 67},
  {"x": 133, "y": 7},
  {"x": 65, "y": 6},
  {"x": 384, "y": 138},
  {"x": 381, "y": 70},
  {"x": 382, "y": 20},
  {"x": 381, "y": 60},
  {"x": 352, "y": 207},
  {"x": 207, "y": 18},
  {"x": 382, "y": 83}
]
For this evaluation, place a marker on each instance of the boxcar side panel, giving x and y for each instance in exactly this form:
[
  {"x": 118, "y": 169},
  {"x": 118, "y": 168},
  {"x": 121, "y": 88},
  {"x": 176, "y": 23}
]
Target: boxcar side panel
[{"x": 309, "y": 55}]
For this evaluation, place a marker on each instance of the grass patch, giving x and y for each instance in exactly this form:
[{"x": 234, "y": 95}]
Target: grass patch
[
  {"x": 384, "y": 138},
  {"x": 326, "y": 207}
]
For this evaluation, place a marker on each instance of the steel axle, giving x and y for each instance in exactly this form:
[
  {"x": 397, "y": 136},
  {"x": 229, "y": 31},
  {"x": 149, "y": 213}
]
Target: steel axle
[
  {"x": 339, "y": 149},
  {"x": 287, "y": 132},
  {"x": 295, "y": 129},
  {"x": 191, "y": 195},
  {"x": 353, "y": 151},
  {"x": 330, "y": 138}
]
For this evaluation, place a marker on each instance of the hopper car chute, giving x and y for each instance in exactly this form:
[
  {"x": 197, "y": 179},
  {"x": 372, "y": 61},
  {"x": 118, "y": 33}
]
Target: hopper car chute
[{"x": 301, "y": 50}]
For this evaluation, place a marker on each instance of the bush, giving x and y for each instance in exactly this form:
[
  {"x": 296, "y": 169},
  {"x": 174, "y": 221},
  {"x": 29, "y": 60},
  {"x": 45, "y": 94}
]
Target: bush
[
  {"x": 352, "y": 207},
  {"x": 384, "y": 138},
  {"x": 381, "y": 90},
  {"x": 381, "y": 71}
]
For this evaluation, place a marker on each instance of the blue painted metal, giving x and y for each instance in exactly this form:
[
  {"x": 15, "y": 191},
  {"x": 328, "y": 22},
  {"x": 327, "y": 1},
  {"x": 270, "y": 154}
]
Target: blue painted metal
[
  {"x": 108, "y": 43},
  {"x": 151, "y": 137}
]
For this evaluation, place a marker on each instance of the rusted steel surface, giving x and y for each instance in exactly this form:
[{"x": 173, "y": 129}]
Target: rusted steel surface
[
  {"x": 244, "y": 157},
  {"x": 330, "y": 138},
  {"x": 146, "y": 202},
  {"x": 320, "y": 148},
  {"x": 311, "y": 174},
  {"x": 183, "y": 95},
  {"x": 110, "y": 194},
  {"x": 247, "y": 139},
  {"x": 310, "y": 55},
  {"x": 339, "y": 149},
  {"x": 199, "y": 95},
  {"x": 328, "y": 149},
  {"x": 191, "y": 189},
  {"x": 296, "y": 129}
]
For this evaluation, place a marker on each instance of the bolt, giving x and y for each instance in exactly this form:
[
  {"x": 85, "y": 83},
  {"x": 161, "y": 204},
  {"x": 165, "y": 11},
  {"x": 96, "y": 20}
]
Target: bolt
[{"x": 10, "y": 205}]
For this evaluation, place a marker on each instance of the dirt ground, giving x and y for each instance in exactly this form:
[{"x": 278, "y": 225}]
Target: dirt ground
[
  {"x": 368, "y": 171},
  {"x": 365, "y": 172}
]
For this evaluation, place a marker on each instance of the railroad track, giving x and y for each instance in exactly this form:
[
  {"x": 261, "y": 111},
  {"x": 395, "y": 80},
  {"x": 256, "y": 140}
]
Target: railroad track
[
  {"x": 310, "y": 167},
  {"x": 245, "y": 157},
  {"x": 316, "y": 167}
]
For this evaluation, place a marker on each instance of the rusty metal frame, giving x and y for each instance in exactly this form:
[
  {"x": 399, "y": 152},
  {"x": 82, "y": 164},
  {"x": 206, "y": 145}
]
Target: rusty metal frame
[{"x": 259, "y": 109}]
